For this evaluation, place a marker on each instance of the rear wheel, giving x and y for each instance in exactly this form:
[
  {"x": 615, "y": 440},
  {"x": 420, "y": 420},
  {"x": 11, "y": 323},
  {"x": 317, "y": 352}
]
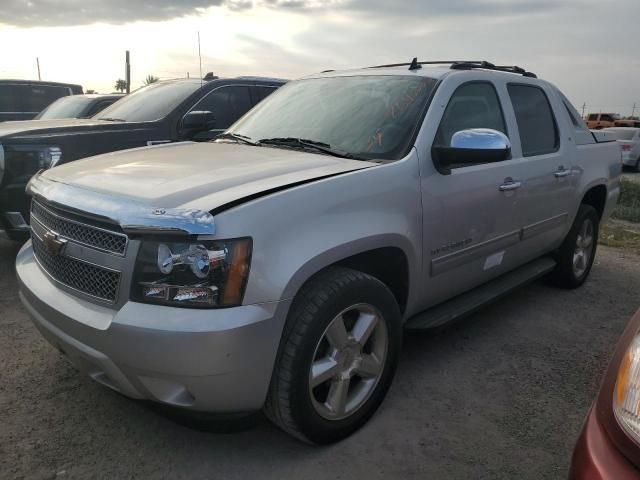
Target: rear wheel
[
  {"x": 337, "y": 358},
  {"x": 575, "y": 256}
]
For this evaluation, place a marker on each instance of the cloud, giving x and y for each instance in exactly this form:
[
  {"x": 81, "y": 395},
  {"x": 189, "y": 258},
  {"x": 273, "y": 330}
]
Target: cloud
[
  {"x": 40, "y": 13},
  {"x": 81, "y": 12}
]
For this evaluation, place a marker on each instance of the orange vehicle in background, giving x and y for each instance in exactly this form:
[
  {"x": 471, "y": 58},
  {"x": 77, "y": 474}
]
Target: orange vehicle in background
[{"x": 598, "y": 121}]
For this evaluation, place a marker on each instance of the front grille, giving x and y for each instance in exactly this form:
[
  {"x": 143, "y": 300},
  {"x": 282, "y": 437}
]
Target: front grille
[
  {"x": 84, "y": 277},
  {"x": 89, "y": 235}
]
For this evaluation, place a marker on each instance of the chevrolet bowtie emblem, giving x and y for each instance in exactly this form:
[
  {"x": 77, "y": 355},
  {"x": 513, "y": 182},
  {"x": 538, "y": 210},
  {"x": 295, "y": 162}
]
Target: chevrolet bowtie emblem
[{"x": 53, "y": 243}]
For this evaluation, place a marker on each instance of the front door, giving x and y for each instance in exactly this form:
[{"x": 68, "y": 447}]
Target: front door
[{"x": 470, "y": 224}]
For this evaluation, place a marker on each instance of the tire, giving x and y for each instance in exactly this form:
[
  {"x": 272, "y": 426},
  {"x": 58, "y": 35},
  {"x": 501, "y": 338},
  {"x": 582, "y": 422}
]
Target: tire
[
  {"x": 577, "y": 252},
  {"x": 337, "y": 296},
  {"x": 637, "y": 168}
]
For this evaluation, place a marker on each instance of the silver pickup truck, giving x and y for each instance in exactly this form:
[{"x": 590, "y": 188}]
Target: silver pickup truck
[{"x": 276, "y": 267}]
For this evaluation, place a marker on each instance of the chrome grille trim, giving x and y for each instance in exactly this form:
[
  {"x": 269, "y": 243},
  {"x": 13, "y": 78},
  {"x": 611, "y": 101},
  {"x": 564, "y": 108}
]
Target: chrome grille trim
[
  {"x": 108, "y": 241},
  {"x": 89, "y": 279}
]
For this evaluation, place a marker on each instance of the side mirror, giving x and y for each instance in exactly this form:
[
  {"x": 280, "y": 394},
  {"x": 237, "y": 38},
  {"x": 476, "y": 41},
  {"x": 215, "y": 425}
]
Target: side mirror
[
  {"x": 197, "y": 121},
  {"x": 470, "y": 147}
]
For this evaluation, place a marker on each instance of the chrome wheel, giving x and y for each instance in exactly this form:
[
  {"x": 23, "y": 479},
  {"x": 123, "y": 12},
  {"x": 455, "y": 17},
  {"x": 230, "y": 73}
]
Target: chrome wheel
[
  {"x": 348, "y": 361},
  {"x": 584, "y": 248}
]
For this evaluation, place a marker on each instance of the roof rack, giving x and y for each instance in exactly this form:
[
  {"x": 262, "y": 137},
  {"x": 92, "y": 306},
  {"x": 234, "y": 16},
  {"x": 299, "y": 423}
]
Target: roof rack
[
  {"x": 490, "y": 66},
  {"x": 416, "y": 64},
  {"x": 462, "y": 65}
]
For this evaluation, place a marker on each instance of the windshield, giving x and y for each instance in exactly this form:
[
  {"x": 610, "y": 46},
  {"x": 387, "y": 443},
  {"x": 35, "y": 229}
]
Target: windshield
[
  {"x": 65, "y": 107},
  {"x": 152, "y": 102},
  {"x": 365, "y": 116}
]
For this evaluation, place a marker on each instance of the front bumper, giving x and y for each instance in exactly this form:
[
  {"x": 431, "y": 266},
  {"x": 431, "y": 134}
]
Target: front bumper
[
  {"x": 596, "y": 458},
  {"x": 206, "y": 360}
]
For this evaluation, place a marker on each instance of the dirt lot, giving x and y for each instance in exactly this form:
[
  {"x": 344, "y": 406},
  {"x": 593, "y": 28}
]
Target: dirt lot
[{"x": 500, "y": 395}]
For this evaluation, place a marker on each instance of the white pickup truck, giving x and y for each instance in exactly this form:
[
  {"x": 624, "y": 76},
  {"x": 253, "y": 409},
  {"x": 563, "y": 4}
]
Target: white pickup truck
[{"x": 276, "y": 267}]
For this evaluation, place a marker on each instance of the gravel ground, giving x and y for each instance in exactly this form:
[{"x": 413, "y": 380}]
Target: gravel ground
[{"x": 500, "y": 395}]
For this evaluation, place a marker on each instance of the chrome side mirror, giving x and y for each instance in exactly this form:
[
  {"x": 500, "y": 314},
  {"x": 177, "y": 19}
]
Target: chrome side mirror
[
  {"x": 480, "y": 139},
  {"x": 470, "y": 147}
]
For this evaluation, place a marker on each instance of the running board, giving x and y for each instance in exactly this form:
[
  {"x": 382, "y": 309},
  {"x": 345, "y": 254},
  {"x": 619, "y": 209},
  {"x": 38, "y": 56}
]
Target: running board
[{"x": 466, "y": 303}]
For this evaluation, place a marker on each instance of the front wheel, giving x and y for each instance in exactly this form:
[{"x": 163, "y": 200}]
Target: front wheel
[
  {"x": 337, "y": 357},
  {"x": 577, "y": 252}
]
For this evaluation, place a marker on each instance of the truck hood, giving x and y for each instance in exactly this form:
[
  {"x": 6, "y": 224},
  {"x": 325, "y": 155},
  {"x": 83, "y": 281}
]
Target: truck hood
[
  {"x": 31, "y": 128},
  {"x": 203, "y": 176}
]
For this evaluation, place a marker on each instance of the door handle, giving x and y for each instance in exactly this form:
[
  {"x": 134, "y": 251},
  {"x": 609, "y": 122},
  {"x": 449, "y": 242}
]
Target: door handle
[
  {"x": 561, "y": 172},
  {"x": 509, "y": 185}
]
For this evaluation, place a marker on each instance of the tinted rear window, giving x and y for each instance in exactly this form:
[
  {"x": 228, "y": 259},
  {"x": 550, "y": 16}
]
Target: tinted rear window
[
  {"x": 536, "y": 123},
  {"x": 29, "y": 98}
]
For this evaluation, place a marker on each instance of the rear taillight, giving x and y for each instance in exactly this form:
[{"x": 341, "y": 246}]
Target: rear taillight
[{"x": 626, "y": 148}]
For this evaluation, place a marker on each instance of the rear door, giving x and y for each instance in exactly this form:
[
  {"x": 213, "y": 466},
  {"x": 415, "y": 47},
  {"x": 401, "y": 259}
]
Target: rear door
[
  {"x": 545, "y": 143},
  {"x": 471, "y": 222}
]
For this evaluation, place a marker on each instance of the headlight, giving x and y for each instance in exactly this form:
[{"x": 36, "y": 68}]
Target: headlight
[
  {"x": 206, "y": 274},
  {"x": 28, "y": 159},
  {"x": 626, "y": 396}
]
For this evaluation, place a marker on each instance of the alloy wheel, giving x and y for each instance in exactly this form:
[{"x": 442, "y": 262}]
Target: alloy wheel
[{"x": 348, "y": 361}]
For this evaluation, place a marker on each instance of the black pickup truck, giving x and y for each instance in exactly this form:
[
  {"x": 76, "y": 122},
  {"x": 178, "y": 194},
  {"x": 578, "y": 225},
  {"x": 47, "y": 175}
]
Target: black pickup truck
[{"x": 167, "y": 111}]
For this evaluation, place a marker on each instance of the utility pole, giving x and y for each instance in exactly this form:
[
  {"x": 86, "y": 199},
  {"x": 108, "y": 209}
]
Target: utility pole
[
  {"x": 38, "y": 63},
  {"x": 127, "y": 72},
  {"x": 200, "y": 58},
  {"x": 633, "y": 110},
  {"x": 584, "y": 105}
]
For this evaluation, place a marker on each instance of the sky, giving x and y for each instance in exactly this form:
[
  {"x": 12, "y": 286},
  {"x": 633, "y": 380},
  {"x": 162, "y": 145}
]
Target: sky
[{"x": 588, "y": 48}]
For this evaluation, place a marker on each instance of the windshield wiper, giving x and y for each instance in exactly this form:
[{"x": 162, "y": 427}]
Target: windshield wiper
[
  {"x": 308, "y": 144},
  {"x": 237, "y": 137},
  {"x": 110, "y": 119}
]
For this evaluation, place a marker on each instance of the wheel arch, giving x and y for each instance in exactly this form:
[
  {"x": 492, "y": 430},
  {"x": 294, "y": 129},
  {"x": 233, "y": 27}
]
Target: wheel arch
[
  {"x": 596, "y": 196},
  {"x": 389, "y": 258}
]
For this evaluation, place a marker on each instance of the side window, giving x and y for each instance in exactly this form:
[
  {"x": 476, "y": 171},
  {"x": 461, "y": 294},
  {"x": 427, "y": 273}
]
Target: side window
[
  {"x": 473, "y": 105},
  {"x": 593, "y": 117},
  {"x": 227, "y": 104},
  {"x": 98, "y": 107},
  {"x": 260, "y": 93},
  {"x": 606, "y": 118},
  {"x": 537, "y": 125}
]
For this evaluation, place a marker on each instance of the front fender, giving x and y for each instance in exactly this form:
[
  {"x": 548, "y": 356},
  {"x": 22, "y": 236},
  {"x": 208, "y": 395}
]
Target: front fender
[{"x": 301, "y": 230}]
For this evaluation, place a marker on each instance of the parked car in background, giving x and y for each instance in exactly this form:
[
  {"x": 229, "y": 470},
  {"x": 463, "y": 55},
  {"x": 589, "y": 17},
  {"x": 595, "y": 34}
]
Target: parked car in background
[
  {"x": 276, "y": 267},
  {"x": 628, "y": 122},
  {"x": 24, "y": 99},
  {"x": 78, "y": 106},
  {"x": 629, "y": 140},
  {"x": 609, "y": 445},
  {"x": 597, "y": 121},
  {"x": 163, "y": 112}
]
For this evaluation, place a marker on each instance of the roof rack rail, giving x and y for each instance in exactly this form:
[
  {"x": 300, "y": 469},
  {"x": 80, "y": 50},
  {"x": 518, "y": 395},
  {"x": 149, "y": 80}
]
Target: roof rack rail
[
  {"x": 462, "y": 65},
  {"x": 490, "y": 66},
  {"x": 416, "y": 64}
]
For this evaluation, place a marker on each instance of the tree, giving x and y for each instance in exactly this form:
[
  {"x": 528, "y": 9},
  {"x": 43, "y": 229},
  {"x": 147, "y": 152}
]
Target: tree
[
  {"x": 121, "y": 85},
  {"x": 150, "y": 79},
  {"x": 89, "y": 91}
]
